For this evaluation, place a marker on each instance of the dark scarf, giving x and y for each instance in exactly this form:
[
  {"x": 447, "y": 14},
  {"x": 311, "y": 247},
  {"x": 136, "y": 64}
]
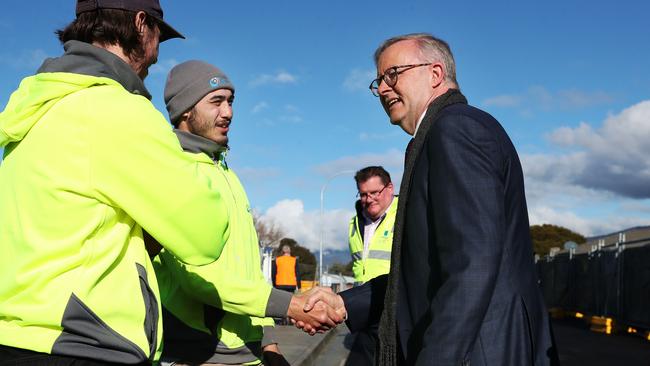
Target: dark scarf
[{"x": 387, "y": 355}]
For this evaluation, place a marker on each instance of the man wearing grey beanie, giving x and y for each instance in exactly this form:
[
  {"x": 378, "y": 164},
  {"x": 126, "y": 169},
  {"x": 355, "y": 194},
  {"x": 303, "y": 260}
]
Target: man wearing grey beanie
[{"x": 220, "y": 313}]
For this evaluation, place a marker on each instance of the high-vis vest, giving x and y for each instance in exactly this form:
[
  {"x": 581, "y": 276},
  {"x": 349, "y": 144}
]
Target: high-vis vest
[
  {"x": 378, "y": 260},
  {"x": 286, "y": 271}
]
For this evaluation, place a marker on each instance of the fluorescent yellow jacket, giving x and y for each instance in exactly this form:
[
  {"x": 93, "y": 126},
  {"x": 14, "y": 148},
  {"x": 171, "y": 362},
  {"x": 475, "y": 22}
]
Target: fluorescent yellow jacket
[
  {"x": 378, "y": 260},
  {"x": 214, "y": 313},
  {"x": 88, "y": 163}
]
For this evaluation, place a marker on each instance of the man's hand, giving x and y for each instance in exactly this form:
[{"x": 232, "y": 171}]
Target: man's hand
[
  {"x": 272, "y": 357},
  {"x": 320, "y": 303},
  {"x": 314, "y": 317}
]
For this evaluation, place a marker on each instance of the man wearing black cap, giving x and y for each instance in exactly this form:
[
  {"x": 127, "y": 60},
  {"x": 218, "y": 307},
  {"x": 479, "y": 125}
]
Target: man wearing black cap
[{"x": 89, "y": 163}]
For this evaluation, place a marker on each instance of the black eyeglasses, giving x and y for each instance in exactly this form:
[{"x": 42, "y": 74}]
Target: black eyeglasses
[
  {"x": 390, "y": 77},
  {"x": 373, "y": 195}
]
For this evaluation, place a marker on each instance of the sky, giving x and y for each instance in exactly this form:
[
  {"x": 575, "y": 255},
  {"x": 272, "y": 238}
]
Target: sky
[{"x": 568, "y": 80}]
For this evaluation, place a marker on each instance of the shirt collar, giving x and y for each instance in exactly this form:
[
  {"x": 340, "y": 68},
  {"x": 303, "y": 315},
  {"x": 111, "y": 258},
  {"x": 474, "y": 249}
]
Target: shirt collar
[{"x": 417, "y": 126}]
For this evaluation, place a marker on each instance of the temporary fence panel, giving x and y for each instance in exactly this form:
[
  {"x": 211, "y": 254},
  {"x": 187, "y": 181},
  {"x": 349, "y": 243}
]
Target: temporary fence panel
[
  {"x": 612, "y": 282},
  {"x": 635, "y": 299},
  {"x": 608, "y": 282},
  {"x": 546, "y": 273},
  {"x": 562, "y": 279},
  {"x": 583, "y": 287}
]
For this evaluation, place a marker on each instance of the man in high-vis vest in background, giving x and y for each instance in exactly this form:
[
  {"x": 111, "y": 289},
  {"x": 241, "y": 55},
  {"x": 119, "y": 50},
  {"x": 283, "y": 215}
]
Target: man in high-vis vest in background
[
  {"x": 284, "y": 271},
  {"x": 370, "y": 239}
]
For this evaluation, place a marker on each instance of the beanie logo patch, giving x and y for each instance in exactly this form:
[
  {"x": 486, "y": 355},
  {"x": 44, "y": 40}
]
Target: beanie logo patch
[{"x": 216, "y": 81}]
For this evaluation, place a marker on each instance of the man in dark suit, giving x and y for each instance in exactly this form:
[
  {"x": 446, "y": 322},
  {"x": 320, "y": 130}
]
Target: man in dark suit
[{"x": 462, "y": 287}]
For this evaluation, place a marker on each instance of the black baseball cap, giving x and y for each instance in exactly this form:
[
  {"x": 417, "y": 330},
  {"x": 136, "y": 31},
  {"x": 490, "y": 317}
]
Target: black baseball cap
[{"x": 151, "y": 7}]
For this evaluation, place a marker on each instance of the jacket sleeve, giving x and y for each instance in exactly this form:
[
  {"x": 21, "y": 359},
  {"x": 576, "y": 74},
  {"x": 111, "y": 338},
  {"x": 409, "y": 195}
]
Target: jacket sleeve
[
  {"x": 212, "y": 285},
  {"x": 364, "y": 304},
  {"x": 297, "y": 274},
  {"x": 467, "y": 201},
  {"x": 137, "y": 165},
  {"x": 274, "y": 271}
]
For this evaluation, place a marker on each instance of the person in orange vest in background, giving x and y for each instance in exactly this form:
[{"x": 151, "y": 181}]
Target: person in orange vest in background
[{"x": 284, "y": 271}]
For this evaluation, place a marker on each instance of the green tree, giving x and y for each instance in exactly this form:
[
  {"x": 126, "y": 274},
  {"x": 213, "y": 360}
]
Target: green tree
[
  {"x": 340, "y": 268},
  {"x": 306, "y": 259},
  {"x": 547, "y": 236}
]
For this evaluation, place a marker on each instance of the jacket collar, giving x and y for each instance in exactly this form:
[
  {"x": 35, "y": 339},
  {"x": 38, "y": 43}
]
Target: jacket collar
[
  {"x": 197, "y": 144},
  {"x": 86, "y": 59}
]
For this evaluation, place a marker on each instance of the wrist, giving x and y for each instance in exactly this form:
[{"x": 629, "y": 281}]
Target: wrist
[{"x": 272, "y": 347}]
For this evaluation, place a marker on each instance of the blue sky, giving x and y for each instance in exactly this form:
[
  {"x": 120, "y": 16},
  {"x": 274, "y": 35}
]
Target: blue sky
[{"x": 568, "y": 80}]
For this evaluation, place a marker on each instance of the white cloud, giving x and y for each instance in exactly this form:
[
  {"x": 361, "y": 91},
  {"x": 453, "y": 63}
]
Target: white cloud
[
  {"x": 257, "y": 174},
  {"x": 587, "y": 227},
  {"x": 601, "y": 183},
  {"x": 291, "y": 108},
  {"x": 162, "y": 67},
  {"x": 291, "y": 119},
  {"x": 260, "y": 107},
  {"x": 612, "y": 157},
  {"x": 281, "y": 77},
  {"x": 26, "y": 59},
  {"x": 292, "y": 114},
  {"x": 305, "y": 226},
  {"x": 578, "y": 99},
  {"x": 365, "y": 136},
  {"x": 539, "y": 98},
  {"x": 358, "y": 79},
  {"x": 285, "y": 77},
  {"x": 503, "y": 101},
  {"x": 392, "y": 160}
]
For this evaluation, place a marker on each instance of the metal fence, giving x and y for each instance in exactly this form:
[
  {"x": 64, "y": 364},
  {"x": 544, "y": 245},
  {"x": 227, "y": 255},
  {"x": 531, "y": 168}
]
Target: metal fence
[{"x": 611, "y": 281}]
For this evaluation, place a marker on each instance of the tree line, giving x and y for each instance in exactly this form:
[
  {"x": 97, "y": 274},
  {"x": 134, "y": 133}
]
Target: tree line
[{"x": 544, "y": 237}]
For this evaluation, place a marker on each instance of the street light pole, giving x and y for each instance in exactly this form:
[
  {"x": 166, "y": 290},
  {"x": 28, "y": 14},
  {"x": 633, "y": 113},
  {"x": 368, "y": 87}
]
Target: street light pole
[{"x": 322, "y": 195}]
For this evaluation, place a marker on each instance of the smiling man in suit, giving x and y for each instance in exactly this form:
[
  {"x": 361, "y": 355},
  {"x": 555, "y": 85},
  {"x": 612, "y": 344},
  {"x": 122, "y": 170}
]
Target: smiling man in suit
[{"x": 462, "y": 288}]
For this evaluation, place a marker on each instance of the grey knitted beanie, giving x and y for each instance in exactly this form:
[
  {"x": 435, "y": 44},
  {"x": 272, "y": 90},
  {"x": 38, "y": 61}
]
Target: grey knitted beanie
[{"x": 190, "y": 81}]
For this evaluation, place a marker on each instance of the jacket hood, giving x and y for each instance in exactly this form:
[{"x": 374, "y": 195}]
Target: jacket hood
[
  {"x": 81, "y": 67},
  {"x": 34, "y": 97}
]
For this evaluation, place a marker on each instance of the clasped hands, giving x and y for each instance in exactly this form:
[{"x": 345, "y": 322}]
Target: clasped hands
[{"x": 317, "y": 310}]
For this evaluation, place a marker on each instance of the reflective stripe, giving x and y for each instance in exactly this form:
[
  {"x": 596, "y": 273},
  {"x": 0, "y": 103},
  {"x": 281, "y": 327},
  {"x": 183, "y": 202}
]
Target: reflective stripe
[
  {"x": 379, "y": 254},
  {"x": 373, "y": 254}
]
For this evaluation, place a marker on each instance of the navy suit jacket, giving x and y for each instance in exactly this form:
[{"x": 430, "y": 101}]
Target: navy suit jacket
[{"x": 468, "y": 290}]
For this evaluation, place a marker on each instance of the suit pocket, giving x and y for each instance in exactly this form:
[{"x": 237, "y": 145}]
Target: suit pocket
[
  {"x": 505, "y": 335},
  {"x": 529, "y": 331}
]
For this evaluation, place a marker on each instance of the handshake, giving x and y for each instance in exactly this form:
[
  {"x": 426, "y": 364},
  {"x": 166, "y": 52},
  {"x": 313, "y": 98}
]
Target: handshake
[{"x": 317, "y": 310}]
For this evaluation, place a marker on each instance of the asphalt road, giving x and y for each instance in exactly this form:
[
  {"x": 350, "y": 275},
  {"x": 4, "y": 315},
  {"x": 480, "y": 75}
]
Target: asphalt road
[
  {"x": 335, "y": 351},
  {"x": 578, "y": 346}
]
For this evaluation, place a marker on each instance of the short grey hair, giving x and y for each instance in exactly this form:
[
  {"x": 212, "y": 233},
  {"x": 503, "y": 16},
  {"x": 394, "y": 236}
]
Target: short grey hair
[{"x": 431, "y": 48}]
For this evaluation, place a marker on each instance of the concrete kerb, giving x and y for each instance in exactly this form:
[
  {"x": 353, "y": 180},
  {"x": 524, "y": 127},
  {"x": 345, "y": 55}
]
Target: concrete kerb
[{"x": 313, "y": 351}]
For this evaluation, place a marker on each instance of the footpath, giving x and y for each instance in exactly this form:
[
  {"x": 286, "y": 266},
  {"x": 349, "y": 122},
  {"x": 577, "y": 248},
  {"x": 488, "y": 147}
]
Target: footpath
[{"x": 299, "y": 348}]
